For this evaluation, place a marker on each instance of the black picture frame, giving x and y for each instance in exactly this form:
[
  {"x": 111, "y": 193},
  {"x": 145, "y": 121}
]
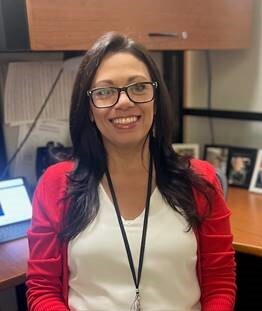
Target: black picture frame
[
  {"x": 217, "y": 155},
  {"x": 240, "y": 166}
]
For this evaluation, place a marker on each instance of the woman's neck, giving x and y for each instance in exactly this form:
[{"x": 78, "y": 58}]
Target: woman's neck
[{"x": 128, "y": 159}]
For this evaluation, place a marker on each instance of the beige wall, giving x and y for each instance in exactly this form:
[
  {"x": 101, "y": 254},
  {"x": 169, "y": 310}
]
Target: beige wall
[{"x": 236, "y": 85}]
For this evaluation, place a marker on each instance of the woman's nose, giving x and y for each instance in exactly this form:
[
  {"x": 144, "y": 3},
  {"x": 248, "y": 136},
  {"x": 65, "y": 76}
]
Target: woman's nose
[{"x": 124, "y": 102}]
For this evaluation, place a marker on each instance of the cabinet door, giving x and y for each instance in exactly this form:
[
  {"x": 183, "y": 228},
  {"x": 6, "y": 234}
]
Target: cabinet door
[{"x": 158, "y": 24}]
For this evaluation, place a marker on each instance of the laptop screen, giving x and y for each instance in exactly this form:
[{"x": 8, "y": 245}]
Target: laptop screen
[{"x": 15, "y": 203}]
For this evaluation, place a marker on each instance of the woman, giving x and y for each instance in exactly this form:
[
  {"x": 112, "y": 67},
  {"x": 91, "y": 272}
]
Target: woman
[{"x": 127, "y": 224}]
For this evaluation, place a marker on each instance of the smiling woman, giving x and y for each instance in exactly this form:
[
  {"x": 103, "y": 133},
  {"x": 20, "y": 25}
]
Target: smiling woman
[
  {"x": 128, "y": 108},
  {"x": 128, "y": 223}
]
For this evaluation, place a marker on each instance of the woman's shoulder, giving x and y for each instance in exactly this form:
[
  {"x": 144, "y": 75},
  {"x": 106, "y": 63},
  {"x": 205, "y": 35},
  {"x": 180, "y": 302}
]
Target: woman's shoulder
[
  {"x": 49, "y": 201},
  {"x": 63, "y": 167},
  {"x": 55, "y": 177},
  {"x": 59, "y": 170},
  {"x": 204, "y": 169},
  {"x": 216, "y": 196}
]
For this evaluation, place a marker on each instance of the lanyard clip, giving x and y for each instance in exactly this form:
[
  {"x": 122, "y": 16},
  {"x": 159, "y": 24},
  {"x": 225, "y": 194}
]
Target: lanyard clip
[{"x": 136, "y": 304}]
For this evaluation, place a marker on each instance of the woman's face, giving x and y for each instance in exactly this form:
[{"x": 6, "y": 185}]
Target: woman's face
[{"x": 126, "y": 123}]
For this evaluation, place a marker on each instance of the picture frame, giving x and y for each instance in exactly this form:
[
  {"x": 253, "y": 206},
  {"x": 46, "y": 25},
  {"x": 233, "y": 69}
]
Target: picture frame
[
  {"x": 217, "y": 155},
  {"x": 240, "y": 166},
  {"x": 256, "y": 180},
  {"x": 188, "y": 150}
]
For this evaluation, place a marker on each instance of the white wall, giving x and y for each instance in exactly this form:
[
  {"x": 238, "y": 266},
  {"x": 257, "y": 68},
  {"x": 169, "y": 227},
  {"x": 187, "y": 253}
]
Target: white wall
[{"x": 236, "y": 85}]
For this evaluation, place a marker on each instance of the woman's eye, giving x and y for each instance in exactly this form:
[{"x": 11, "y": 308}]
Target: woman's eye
[
  {"x": 138, "y": 88},
  {"x": 104, "y": 92}
]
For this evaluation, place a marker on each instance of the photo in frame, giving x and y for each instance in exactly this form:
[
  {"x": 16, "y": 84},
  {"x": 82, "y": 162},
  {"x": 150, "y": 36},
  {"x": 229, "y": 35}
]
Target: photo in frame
[
  {"x": 188, "y": 150},
  {"x": 240, "y": 166},
  {"x": 217, "y": 155},
  {"x": 256, "y": 180}
]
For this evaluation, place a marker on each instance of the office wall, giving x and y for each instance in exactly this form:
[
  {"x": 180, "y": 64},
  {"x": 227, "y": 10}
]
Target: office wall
[{"x": 236, "y": 85}]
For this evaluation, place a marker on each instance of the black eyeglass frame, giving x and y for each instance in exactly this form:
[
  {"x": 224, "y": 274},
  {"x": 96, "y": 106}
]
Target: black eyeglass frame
[{"x": 121, "y": 89}]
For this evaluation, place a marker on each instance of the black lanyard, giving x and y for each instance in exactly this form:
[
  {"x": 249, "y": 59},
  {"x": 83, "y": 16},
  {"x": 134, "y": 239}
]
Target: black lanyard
[{"x": 136, "y": 304}]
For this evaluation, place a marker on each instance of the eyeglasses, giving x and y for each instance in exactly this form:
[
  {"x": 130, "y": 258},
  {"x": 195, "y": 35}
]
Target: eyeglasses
[{"x": 138, "y": 93}]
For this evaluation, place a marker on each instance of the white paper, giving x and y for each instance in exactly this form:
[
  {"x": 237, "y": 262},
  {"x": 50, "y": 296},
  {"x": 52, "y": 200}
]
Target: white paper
[
  {"x": 45, "y": 131},
  {"x": 27, "y": 87}
]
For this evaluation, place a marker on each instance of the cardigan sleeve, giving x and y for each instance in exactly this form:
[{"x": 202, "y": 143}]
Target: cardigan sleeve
[
  {"x": 45, "y": 265},
  {"x": 216, "y": 253}
]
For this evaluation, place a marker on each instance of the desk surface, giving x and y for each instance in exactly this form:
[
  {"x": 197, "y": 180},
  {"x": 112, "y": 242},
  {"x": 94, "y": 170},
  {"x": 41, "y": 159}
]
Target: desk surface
[
  {"x": 246, "y": 220},
  {"x": 246, "y": 224},
  {"x": 13, "y": 262}
]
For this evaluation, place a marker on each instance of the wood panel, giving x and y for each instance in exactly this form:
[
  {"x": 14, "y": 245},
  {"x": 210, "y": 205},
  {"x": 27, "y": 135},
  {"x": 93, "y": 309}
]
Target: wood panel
[
  {"x": 246, "y": 220},
  {"x": 76, "y": 24},
  {"x": 13, "y": 263}
]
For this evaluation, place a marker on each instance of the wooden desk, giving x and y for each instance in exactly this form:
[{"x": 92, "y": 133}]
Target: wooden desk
[
  {"x": 13, "y": 263},
  {"x": 246, "y": 220}
]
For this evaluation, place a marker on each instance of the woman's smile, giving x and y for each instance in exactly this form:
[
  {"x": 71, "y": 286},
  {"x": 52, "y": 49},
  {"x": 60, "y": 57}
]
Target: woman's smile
[{"x": 125, "y": 122}]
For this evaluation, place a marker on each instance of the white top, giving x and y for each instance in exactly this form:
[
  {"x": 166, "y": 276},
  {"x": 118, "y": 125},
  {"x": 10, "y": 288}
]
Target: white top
[{"x": 100, "y": 276}]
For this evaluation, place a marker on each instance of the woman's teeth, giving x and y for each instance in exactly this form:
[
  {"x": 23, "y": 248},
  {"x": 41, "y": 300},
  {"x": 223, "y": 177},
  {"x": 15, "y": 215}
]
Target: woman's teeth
[{"x": 127, "y": 120}]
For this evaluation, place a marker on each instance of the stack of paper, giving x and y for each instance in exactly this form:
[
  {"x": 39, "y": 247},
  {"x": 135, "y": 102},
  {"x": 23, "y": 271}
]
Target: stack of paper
[{"x": 27, "y": 86}]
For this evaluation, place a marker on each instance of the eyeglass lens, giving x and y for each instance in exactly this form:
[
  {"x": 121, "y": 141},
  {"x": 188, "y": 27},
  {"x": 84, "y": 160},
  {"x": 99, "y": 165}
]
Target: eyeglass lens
[{"x": 137, "y": 92}]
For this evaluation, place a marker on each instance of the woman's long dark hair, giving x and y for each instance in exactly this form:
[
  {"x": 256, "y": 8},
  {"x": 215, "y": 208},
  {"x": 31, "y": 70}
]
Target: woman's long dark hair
[{"x": 174, "y": 177}]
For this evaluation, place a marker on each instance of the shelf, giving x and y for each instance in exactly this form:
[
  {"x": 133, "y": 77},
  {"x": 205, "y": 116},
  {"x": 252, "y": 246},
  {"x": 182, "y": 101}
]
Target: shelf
[{"x": 224, "y": 114}]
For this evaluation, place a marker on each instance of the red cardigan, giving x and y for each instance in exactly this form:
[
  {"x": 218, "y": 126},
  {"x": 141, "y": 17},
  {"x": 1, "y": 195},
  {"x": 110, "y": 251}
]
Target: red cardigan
[{"x": 47, "y": 275}]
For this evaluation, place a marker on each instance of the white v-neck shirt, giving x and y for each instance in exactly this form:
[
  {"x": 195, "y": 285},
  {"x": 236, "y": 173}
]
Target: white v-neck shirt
[{"x": 100, "y": 277}]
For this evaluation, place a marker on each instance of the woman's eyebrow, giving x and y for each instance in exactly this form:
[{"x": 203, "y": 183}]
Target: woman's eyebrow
[
  {"x": 103, "y": 82},
  {"x": 129, "y": 80},
  {"x": 136, "y": 77}
]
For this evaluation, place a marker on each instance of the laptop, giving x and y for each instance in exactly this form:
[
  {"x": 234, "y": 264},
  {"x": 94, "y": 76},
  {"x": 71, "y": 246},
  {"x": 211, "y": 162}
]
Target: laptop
[{"x": 15, "y": 209}]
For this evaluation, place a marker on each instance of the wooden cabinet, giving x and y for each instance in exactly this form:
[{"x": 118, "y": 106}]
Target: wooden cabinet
[{"x": 199, "y": 24}]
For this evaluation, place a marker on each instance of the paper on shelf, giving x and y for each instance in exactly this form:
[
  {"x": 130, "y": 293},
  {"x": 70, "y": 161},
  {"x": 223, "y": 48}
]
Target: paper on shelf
[{"x": 27, "y": 86}]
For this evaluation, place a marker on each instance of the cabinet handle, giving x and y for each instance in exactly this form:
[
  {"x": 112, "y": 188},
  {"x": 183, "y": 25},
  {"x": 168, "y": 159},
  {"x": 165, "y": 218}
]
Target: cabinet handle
[{"x": 183, "y": 35}]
